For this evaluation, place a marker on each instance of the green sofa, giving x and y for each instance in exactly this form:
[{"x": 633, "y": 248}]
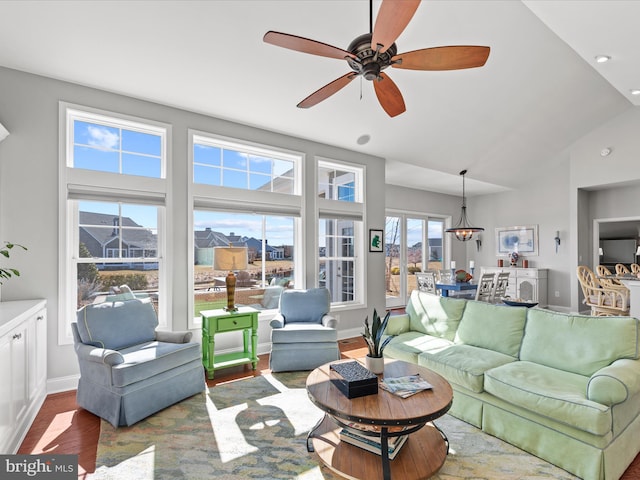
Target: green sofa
[{"x": 563, "y": 387}]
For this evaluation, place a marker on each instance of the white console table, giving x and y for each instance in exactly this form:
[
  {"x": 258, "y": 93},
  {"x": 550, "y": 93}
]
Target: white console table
[
  {"x": 529, "y": 284},
  {"x": 23, "y": 368}
]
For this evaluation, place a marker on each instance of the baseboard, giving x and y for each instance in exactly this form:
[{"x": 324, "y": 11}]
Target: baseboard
[{"x": 62, "y": 384}]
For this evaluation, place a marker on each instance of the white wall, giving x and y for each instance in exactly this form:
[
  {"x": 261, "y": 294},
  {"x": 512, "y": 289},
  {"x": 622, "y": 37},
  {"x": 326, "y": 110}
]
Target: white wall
[{"x": 29, "y": 193}]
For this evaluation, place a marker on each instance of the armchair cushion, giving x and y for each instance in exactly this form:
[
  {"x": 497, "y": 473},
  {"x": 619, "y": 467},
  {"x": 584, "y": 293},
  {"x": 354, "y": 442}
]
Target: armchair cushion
[
  {"x": 304, "y": 305},
  {"x": 117, "y": 325},
  {"x": 304, "y": 332}
]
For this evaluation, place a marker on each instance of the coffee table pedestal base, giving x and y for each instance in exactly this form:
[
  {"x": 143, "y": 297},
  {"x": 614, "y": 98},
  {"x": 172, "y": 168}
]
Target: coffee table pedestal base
[{"x": 421, "y": 456}]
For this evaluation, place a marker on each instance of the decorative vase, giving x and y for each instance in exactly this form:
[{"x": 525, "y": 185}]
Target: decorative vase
[{"x": 374, "y": 364}]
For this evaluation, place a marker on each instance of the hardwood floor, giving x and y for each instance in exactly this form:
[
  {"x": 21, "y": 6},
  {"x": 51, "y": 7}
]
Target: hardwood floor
[{"x": 61, "y": 427}]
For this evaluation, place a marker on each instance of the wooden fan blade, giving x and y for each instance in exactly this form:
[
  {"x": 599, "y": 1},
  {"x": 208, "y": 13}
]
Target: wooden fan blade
[
  {"x": 305, "y": 45},
  {"x": 442, "y": 58},
  {"x": 326, "y": 91},
  {"x": 389, "y": 95},
  {"x": 393, "y": 18}
]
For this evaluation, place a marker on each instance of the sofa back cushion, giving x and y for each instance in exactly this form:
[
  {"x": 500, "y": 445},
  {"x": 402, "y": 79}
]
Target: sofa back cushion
[
  {"x": 496, "y": 327},
  {"x": 117, "y": 325},
  {"x": 578, "y": 344},
  {"x": 434, "y": 315},
  {"x": 305, "y": 305}
]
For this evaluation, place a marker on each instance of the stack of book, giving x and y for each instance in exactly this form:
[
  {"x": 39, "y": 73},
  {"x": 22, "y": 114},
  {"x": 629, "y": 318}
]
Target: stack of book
[
  {"x": 372, "y": 443},
  {"x": 405, "y": 386}
]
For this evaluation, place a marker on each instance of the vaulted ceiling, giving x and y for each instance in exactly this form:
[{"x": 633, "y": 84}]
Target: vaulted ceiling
[{"x": 539, "y": 91}]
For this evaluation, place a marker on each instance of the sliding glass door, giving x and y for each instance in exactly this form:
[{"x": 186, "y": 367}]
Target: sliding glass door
[{"x": 413, "y": 244}]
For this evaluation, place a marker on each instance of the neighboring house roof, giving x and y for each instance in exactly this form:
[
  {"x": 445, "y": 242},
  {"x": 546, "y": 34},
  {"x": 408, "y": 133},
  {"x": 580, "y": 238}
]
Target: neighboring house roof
[
  {"x": 208, "y": 238},
  {"x": 104, "y": 229}
]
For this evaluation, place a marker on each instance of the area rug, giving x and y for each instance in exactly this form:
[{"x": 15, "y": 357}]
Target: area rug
[{"x": 256, "y": 428}]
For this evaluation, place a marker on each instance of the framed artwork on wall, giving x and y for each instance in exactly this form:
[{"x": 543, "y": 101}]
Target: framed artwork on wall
[
  {"x": 376, "y": 243},
  {"x": 520, "y": 239}
]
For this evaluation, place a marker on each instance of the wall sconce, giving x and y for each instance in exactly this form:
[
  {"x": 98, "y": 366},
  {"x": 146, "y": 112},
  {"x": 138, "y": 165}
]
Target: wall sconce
[
  {"x": 478, "y": 243},
  {"x": 637, "y": 253},
  {"x": 557, "y": 239},
  {"x": 3, "y": 132},
  {"x": 601, "y": 251}
]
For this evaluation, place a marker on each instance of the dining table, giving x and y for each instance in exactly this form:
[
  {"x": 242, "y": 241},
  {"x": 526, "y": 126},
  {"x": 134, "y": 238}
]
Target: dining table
[{"x": 446, "y": 288}]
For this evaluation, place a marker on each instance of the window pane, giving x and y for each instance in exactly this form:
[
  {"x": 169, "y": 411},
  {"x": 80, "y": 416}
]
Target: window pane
[
  {"x": 334, "y": 184},
  {"x": 435, "y": 235},
  {"x": 140, "y": 165},
  {"x": 336, "y": 265},
  {"x": 95, "y": 159},
  {"x": 270, "y": 267},
  {"x": 122, "y": 241},
  {"x": 392, "y": 242},
  {"x": 99, "y": 147},
  {"x": 207, "y": 154},
  {"x": 234, "y": 178},
  {"x": 207, "y": 175},
  {"x": 140, "y": 142},
  {"x": 243, "y": 170}
]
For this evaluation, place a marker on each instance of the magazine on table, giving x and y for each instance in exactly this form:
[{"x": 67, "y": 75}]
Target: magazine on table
[
  {"x": 372, "y": 444},
  {"x": 405, "y": 386}
]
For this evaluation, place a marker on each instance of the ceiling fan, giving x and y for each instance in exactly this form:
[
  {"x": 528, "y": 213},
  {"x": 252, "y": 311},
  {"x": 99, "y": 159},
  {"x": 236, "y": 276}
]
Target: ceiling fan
[{"x": 369, "y": 54}]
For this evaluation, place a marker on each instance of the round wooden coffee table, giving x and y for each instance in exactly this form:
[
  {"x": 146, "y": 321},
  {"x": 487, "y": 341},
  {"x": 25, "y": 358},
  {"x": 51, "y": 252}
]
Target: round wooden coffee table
[{"x": 389, "y": 415}]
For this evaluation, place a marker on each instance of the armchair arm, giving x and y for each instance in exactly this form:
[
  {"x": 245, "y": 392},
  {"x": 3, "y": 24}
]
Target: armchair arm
[
  {"x": 397, "y": 324},
  {"x": 99, "y": 355},
  {"x": 173, "y": 337},
  {"x": 615, "y": 383},
  {"x": 277, "y": 321},
  {"x": 330, "y": 321}
]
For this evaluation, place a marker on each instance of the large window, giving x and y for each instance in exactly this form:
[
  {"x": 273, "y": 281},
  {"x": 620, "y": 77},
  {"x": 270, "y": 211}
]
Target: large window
[
  {"x": 113, "y": 195},
  {"x": 269, "y": 241},
  {"x": 412, "y": 244},
  {"x": 244, "y": 195},
  {"x": 340, "y": 227}
]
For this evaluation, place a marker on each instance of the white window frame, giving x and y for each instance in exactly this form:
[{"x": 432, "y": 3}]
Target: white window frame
[
  {"x": 330, "y": 209},
  {"x": 236, "y": 200},
  {"x": 401, "y": 300},
  {"x": 81, "y": 184}
]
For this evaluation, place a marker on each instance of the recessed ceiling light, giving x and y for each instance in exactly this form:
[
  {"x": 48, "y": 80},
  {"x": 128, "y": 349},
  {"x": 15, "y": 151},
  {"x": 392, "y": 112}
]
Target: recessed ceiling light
[
  {"x": 635, "y": 91},
  {"x": 363, "y": 139},
  {"x": 602, "y": 58}
]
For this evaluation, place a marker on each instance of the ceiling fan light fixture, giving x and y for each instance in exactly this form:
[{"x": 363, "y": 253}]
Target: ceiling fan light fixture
[{"x": 463, "y": 229}]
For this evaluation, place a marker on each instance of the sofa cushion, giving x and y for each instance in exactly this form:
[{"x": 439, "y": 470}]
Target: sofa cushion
[
  {"x": 435, "y": 315},
  {"x": 144, "y": 361},
  {"x": 304, "y": 305},
  {"x": 464, "y": 365},
  {"x": 117, "y": 325},
  {"x": 549, "y": 392},
  {"x": 407, "y": 346},
  {"x": 494, "y": 327},
  {"x": 578, "y": 344}
]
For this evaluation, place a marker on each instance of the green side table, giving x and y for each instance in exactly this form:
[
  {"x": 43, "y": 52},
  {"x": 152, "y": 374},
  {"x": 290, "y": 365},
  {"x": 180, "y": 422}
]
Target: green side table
[{"x": 221, "y": 321}]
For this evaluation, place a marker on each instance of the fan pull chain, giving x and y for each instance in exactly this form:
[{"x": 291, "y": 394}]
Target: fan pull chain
[{"x": 360, "y": 87}]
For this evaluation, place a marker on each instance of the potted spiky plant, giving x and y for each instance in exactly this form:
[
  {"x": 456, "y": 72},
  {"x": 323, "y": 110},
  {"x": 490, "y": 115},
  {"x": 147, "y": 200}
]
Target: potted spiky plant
[{"x": 374, "y": 360}]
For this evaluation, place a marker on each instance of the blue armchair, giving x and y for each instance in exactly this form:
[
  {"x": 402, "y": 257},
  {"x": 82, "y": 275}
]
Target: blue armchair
[
  {"x": 303, "y": 335},
  {"x": 128, "y": 370}
]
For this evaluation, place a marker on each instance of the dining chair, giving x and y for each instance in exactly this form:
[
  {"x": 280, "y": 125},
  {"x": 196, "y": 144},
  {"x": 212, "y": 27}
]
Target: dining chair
[
  {"x": 426, "y": 281},
  {"x": 603, "y": 300},
  {"x": 484, "y": 293},
  {"x": 445, "y": 276},
  {"x": 500, "y": 286},
  {"x": 606, "y": 278},
  {"x": 622, "y": 269},
  {"x": 635, "y": 268}
]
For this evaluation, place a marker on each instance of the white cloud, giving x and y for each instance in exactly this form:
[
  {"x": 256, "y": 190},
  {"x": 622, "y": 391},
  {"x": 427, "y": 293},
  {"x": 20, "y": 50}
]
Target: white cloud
[{"x": 103, "y": 138}]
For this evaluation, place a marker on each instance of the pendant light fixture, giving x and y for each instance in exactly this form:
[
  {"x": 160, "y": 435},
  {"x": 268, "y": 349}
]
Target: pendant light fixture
[{"x": 463, "y": 230}]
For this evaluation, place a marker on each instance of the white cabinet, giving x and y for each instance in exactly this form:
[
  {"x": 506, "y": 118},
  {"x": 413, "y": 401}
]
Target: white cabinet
[
  {"x": 529, "y": 284},
  {"x": 23, "y": 368}
]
